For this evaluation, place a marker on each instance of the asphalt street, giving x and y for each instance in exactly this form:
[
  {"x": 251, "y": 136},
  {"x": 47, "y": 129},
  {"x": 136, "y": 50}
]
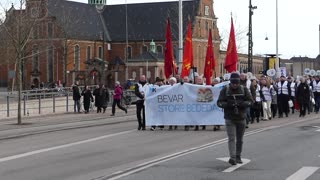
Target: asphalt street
[{"x": 112, "y": 148}]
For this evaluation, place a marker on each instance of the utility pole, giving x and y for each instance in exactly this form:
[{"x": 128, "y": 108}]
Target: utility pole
[
  {"x": 180, "y": 37},
  {"x": 250, "y": 43}
]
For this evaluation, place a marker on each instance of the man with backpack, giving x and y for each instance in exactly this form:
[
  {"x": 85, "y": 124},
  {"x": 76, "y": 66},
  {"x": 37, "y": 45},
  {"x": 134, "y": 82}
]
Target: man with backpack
[{"x": 235, "y": 99}]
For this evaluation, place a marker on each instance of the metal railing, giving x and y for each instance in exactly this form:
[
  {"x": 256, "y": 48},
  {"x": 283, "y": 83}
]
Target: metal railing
[{"x": 46, "y": 101}]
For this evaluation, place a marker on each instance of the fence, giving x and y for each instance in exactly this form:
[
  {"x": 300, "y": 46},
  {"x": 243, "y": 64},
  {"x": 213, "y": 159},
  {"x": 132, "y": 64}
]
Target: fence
[{"x": 44, "y": 101}]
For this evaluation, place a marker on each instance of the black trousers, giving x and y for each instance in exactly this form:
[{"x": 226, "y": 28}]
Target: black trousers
[
  {"x": 141, "y": 109},
  {"x": 283, "y": 104},
  {"x": 116, "y": 102}
]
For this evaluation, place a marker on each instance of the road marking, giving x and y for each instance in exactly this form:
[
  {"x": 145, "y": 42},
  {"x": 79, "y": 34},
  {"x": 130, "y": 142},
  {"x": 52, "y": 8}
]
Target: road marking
[
  {"x": 233, "y": 168},
  {"x": 9, "y": 158},
  {"x": 303, "y": 173}
]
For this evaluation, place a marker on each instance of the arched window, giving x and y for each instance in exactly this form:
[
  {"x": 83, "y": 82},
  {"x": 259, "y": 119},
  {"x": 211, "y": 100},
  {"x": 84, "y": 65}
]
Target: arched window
[
  {"x": 159, "y": 49},
  {"x": 35, "y": 59},
  {"x": 77, "y": 58},
  {"x": 129, "y": 51},
  {"x": 100, "y": 52},
  {"x": 50, "y": 64},
  {"x": 134, "y": 74},
  {"x": 144, "y": 48},
  {"x": 88, "y": 52}
]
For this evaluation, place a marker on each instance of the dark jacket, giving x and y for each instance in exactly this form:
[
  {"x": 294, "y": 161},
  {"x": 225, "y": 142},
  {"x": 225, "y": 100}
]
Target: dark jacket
[
  {"x": 303, "y": 93},
  {"x": 233, "y": 100},
  {"x": 87, "y": 97},
  {"x": 98, "y": 101},
  {"x": 105, "y": 97},
  {"x": 76, "y": 93}
]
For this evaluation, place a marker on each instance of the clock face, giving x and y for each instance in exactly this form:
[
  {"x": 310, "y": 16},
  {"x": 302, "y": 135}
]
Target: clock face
[{"x": 34, "y": 12}]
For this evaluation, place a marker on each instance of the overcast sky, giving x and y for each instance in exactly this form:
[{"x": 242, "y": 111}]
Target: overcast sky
[{"x": 298, "y": 24}]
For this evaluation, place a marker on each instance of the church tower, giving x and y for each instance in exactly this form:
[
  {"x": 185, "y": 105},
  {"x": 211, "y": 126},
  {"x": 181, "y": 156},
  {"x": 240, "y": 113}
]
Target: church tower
[{"x": 97, "y": 2}]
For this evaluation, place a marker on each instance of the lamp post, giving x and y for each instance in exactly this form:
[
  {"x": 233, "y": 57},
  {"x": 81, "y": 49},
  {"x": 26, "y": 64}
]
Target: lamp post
[
  {"x": 277, "y": 44},
  {"x": 250, "y": 43}
]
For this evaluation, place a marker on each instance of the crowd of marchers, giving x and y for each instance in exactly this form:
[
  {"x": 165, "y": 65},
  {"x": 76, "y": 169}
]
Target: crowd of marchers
[{"x": 272, "y": 97}]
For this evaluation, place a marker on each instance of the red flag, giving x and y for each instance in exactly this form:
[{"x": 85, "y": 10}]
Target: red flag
[
  {"x": 169, "y": 63},
  {"x": 232, "y": 55},
  {"x": 188, "y": 53},
  {"x": 210, "y": 61}
]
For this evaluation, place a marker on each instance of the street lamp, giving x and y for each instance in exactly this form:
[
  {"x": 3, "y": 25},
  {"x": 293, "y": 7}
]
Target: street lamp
[
  {"x": 250, "y": 43},
  {"x": 277, "y": 64}
]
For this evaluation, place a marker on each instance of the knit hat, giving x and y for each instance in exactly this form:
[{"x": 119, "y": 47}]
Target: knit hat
[{"x": 235, "y": 78}]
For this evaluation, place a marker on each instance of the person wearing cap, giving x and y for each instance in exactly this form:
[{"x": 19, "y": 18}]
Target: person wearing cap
[
  {"x": 117, "y": 95},
  {"x": 284, "y": 91},
  {"x": 234, "y": 99}
]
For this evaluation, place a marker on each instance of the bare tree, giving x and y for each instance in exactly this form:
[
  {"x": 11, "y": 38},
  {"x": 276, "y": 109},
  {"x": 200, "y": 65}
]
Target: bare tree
[
  {"x": 18, "y": 28},
  {"x": 240, "y": 33}
]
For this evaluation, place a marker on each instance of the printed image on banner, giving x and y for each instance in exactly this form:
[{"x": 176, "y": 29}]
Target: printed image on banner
[{"x": 186, "y": 104}]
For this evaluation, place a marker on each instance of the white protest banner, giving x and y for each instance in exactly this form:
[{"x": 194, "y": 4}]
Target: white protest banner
[{"x": 186, "y": 104}]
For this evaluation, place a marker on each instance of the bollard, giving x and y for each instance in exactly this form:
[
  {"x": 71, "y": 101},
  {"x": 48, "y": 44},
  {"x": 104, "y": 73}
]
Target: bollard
[
  {"x": 54, "y": 103},
  {"x": 40, "y": 104},
  {"x": 67, "y": 103},
  {"x": 8, "y": 111},
  {"x": 24, "y": 104}
]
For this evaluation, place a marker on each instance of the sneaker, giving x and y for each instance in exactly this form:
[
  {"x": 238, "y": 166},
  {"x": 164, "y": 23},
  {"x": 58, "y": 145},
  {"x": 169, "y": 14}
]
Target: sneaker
[
  {"x": 232, "y": 162},
  {"x": 152, "y": 129},
  {"x": 238, "y": 160}
]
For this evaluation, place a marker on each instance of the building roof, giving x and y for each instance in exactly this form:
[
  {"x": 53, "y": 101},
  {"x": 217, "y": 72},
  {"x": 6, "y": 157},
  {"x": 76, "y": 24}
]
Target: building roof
[
  {"x": 79, "y": 20},
  {"x": 299, "y": 59},
  {"x": 148, "y": 56},
  {"x": 147, "y": 21}
]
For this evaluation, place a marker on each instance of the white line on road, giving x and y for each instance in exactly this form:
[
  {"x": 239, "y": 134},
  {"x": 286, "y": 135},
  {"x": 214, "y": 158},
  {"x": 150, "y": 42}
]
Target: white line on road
[
  {"x": 9, "y": 158},
  {"x": 303, "y": 173},
  {"x": 232, "y": 168}
]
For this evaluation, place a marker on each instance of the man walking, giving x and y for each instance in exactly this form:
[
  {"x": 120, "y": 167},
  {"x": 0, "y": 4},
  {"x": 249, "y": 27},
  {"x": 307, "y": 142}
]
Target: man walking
[
  {"x": 76, "y": 97},
  {"x": 234, "y": 99},
  {"x": 140, "y": 90}
]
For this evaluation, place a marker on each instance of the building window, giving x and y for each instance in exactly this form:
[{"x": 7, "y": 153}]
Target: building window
[
  {"x": 206, "y": 10},
  {"x": 134, "y": 74},
  {"x": 129, "y": 51},
  {"x": 88, "y": 52},
  {"x": 144, "y": 48},
  {"x": 35, "y": 59},
  {"x": 159, "y": 49},
  {"x": 35, "y": 32},
  {"x": 50, "y": 30},
  {"x": 77, "y": 58},
  {"x": 50, "y": 64},
  {"x": 207, "y": 25},
  {"x": 100, "y": 52}
]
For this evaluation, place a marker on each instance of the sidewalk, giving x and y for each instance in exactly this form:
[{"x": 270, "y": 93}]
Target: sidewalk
[{"x": 63, "y": 121}]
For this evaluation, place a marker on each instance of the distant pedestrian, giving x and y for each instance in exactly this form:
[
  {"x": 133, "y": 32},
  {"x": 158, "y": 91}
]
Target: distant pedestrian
[
  {"x": 105, "y": 97},
  {"x": 97, "y": 98},
  {"x": 234, "y": 99},
  {"x": 117, "y": 95},
  {"x": 76, "y": 97},
  {"x": 87, "y": 98},
  {"x": 303, "y": 96}
]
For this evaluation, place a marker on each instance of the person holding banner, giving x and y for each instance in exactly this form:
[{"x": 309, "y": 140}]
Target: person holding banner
[
  {"x": 140, "y": 90},
  {"x": 234, "y": 99}
]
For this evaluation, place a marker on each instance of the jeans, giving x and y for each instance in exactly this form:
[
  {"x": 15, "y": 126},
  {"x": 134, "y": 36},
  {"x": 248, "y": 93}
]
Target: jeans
[
  {"x": 76, "y": 106},
  {"x": 235, "y": 131}
]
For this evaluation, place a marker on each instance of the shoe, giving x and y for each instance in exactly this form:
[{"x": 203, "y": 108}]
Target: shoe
[
  {"x": 111, "y": 114},
  {"x": 152, "y": 129},
  {"x": 247, "y": 126},
  {"x": 175, "y": 127},
  {"x": 238, "y": 160},
  {"x": 203, "y": 128},
  {"x": 170, "y": 128},
  {"x": 286, "y": 114},
  {"x": 232, "y": 162},
  {"x": 186, "y": 128},
  {"x": 269, "y": 118},
  {"x": 126, "y": 111}
]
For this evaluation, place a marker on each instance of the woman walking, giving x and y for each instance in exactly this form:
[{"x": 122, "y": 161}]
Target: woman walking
[{"x": 117, "y": 95}]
